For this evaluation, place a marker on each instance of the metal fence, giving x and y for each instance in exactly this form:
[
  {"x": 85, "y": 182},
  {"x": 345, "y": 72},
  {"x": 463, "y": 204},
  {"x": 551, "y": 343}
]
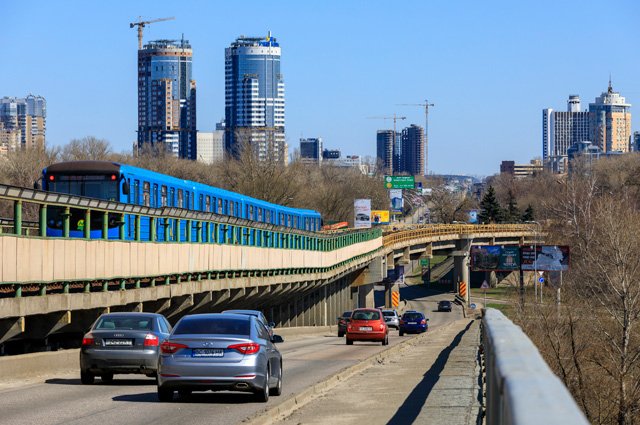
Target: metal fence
[{"x": 521, "y": 388}]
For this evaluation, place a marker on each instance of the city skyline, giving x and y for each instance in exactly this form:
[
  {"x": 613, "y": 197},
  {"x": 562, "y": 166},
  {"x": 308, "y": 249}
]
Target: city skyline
[{"x": 471, "y": 61}]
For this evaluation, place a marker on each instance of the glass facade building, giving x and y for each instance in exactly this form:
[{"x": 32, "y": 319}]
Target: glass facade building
[
  {"x": 167, "y": 97},
  {"x": 23, "y": 122},
  {"x": 254, "y": 98}
]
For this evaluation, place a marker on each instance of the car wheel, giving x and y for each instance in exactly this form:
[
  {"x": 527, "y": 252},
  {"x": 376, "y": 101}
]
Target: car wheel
[
  {"x": 340, "y": 334},
  {"x": 349, "y": 341},
  {"x": 86, "y": 377},
  {"x": 401, "y": 333},
  {"x": 262, "y": 395},
  {"x": 385, "y": 341},
  {"x": 165, "y": 394},
  {"x": 278, "y": 388},
  {"x": 107, "y": 378}
]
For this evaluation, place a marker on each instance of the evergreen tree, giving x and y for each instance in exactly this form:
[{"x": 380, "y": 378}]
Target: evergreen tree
[
  {"x": 528, "y": 214},
  {"x": 513, "y": 212},
  {"x": 490, "y": 209}
]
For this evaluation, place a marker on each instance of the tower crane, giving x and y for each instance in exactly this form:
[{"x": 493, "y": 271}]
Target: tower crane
[
  {"x": 426, "y": 106},
  {"x": 395, "y": 118},
  {"x": 141, "y": 24}
]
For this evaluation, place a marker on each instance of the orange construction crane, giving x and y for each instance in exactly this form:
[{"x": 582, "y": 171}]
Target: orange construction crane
[{"x": 141, "y": 24}]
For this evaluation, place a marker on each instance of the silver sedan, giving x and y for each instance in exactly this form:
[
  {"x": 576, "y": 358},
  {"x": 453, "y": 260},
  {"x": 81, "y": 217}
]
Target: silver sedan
[{"x": 220, "y": 352}]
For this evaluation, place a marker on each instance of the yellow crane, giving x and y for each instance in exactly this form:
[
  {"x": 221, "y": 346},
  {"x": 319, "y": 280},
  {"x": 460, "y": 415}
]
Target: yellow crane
[
  {"x": 426, "y": 106},
  {"x": 141, "y": 24}
]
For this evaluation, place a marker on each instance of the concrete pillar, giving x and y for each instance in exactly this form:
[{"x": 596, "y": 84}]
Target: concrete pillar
[
  {"x": 461, "y": 265},
  {"x": 366, "y": 296}
]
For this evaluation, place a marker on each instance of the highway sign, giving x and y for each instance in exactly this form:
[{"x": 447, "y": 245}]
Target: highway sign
[
  {"x": 424, "y": 262},
  {"x": 399, "y": 182},
  {"x": 485, "y": 285},
  {"x": 541, "y": 279}
]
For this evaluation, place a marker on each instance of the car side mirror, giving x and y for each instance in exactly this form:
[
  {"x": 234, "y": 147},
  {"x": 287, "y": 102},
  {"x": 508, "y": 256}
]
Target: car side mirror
[
  {"x": 272, "y": 324},
  {"x": 276, "y": 339}
]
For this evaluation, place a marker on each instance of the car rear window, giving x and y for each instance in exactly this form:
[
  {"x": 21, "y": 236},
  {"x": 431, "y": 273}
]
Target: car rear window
[
  {"x": 388, "y": 313},
  {"x": 412, "y": 316},
  {"x": 139, "y": 323},
  {"x": 366, "y": 315},
  {"x": 346, "y": 314},
  {"x": 214, "y": 326}
]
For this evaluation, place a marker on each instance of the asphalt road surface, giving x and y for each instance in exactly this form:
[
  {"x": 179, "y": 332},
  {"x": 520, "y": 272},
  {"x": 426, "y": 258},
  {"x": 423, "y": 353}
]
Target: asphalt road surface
[{"x": 132, "y": 400}]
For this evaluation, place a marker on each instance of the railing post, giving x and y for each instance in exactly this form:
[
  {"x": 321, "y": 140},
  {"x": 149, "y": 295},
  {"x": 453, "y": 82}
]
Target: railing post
[
  {"x": 17, "y": 217},
  {"x": 66, "y": 218},
  {"x": 137, "y": 227},
  {"x": 166, "y": 229},
  {"x": 87, "y": 224},
  {"x": 19, "y": 291},
  {"x": 121, "y": 234},
  {"x": 187, "y": 229},
  {"x": 105, "y": 225},
  {"x": 199, "y": 231},
  {"x": 43, "y": 220},
  {"x": 176, "y": 230}
]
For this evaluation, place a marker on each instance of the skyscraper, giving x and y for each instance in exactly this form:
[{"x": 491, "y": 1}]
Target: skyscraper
[
  {"x": 24, "y": 119},
  {"x": 385, "y": 149},
  {"x": 254, "y": 98},
  {"x": 412, "y": 150},
  {"x": 167, "y": 97},
  {"x": 311, "y": 150},
  {"x": 611, "y": 123}
]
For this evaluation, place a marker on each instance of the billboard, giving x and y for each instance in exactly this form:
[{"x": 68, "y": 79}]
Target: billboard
[
  {"x": 473, "y": 216},
  {"x": 396, "y": 200},
  {"x": 362, "y": 213},
  {"x": 399, "y": 182},
  {"x": 495, "y": 258},
  {"x": 380, "y": 217},
  {"x": 545, "y": 258}
]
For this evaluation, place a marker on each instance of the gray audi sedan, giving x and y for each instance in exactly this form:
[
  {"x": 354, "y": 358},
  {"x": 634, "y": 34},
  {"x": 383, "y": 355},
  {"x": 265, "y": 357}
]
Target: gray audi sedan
[
  {"x": 122, "y": 343},
  {"x": 220, "y": 352}
]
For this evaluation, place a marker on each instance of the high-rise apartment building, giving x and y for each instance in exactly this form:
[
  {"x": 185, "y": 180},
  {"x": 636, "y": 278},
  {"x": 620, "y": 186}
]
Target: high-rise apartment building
[
  {"x": 560, "y": 130},
  {"x": 210, "y": 146},
  {"x": 23, "y": 122},
  {"x": 611, "y": 123},
  {"x": 254, "y": 98},
  {"x": 412, "y": 151},
  {"x": 167, "y": 97},
  {"x": 385, "y": 149},
  {"x": 311, "y": 150}
]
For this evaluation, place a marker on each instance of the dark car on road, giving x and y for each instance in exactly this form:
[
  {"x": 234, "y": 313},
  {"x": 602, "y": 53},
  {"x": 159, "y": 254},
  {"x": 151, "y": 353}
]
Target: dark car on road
[
  {"x": 343, "y": 321},
  {"x": 444, "y": 305},
  {"x": 220, "y": 352},
  {"x": 122, "y": 343},
  {"x": 413, "y": 322}
]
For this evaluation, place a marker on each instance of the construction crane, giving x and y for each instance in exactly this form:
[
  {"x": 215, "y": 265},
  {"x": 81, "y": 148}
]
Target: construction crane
[
  {"x": 395, "y": 118},
  {"x": 426, "y": 106},
  {"x": 141, "y": 24}
]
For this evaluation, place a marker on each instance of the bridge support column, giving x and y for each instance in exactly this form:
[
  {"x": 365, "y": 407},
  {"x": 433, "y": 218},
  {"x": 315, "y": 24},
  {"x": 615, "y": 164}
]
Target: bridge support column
[
  {"x": 461, "y": 265},
  {"x": 365, "y": 296},
  {"x": 11, "y": 327}
]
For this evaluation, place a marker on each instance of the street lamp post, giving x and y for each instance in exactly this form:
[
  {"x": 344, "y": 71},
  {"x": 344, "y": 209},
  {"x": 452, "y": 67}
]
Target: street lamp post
[{"x": 537, "y": 231}]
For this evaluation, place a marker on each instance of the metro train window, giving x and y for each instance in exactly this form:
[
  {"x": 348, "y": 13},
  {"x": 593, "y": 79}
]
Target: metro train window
[
  {"x": 201, "y": 203},
  {"x": 207, "y": 205},
  {"x": 225, "y": 210},
  {"x": 146, "y": 193},
  {"x": 282, "y": 222},
  {"x": 136, "y": 192},
  {"x": 187, "y": 198},
  {"x": 231, "y": 208},
  {"x": 306, "y": 223},
  {"x": 267, "y": 216},
  {"x": 163, "y": 196},
  {"x": 251, "y": 217},
  {"x": 259, "y": 214},
  {"x": 179, "y": 204},
  {"x": 219, "y": 210},
  {"x": 289, "y": 221},
  {"x": 155, "y": 196},
  {"x": 172, "y": 199}
]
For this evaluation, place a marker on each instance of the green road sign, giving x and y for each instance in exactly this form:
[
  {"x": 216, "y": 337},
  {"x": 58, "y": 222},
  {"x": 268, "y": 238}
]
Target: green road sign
[
  {"x": 424, "y": 262},
  {"x": 399, "y": 182}
]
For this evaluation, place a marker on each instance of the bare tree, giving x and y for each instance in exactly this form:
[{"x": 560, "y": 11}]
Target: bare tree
[{"x": 87, "y": 149}]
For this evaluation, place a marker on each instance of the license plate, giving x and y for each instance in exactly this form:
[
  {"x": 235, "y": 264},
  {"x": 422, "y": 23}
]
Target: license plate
[
  {"x": 413, "y": 323},
  {"x": 366, "y": 328},
  {"x": 118, "y": 342},
  {"x": 208, "y": 352}
]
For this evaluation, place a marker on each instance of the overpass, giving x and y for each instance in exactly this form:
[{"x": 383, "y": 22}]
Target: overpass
[{"x": 50, "y": 286}]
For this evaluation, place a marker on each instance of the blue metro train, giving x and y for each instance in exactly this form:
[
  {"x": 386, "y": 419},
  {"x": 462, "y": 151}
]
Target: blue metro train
[{"x": 132, "y": 185}]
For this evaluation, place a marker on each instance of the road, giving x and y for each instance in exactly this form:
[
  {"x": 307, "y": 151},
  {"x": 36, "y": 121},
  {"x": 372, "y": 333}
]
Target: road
[{"x": 130, "y": 399}]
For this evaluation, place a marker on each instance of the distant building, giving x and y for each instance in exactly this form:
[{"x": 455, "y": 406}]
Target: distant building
[
  {"x": 385, "y": 148},
  {"x": 311, "y": 150},
  {"x": 521, "y": 170},
  {"x": 560, "y": 130},
  {"x": 9, "y": 139},
  {"x": 167, "y": 97},
  {"x": 254, "y": 98},
  {"x": 353, "y": 161},
  {"x": 24, "y": 122},
  {"x": 331, "y": 154},
  {"x": 210, "y": 146},
  {"x": 412, "y": 151},
  {"x": 611, "y": 123},
  {"x": 588, "y": 152},
  {"x": 635, "y": 144}
]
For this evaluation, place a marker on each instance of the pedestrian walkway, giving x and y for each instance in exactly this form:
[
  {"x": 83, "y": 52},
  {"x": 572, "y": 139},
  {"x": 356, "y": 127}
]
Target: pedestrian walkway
[{"x": 434, "y": 380}]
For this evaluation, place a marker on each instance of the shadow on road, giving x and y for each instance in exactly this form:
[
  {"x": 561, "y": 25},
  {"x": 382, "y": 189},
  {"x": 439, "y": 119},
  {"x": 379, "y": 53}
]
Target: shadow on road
[
  {"x": 194, "y": 398},
  {"x": 115, "y": 382},
  {"x": 410, "y": 409}
]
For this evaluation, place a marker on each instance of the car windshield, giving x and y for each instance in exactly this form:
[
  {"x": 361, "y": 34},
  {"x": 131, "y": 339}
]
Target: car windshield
[
  {"x": 366, "y": 315},
  {"x": 412, "y": 316},
  {"x": 139, "y": 323},
  {"x": 388, "y": 313},
  {"x": 213, "y": 326},
  {"x": 445, "y": 302}
]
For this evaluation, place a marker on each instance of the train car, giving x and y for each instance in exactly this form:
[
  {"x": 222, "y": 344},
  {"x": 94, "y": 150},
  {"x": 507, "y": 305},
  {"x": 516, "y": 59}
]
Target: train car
[{"x": 133, "y": 185}]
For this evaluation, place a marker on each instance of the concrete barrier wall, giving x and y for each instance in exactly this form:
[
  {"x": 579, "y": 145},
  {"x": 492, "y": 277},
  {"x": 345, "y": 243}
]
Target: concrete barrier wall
[{"x": 46, "y": 260}]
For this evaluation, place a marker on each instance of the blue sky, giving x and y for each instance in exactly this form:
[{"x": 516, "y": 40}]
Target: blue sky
[{"x": 490, "y": 67}]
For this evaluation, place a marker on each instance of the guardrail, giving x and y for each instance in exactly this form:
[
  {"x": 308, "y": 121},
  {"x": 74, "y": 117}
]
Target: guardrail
[
  {"x": 427, "y": 230},
  {"x": 521, "y": 388}
]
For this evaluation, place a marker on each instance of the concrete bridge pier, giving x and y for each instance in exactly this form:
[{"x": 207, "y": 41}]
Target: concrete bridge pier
[{"x": 461, "y": 265}]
